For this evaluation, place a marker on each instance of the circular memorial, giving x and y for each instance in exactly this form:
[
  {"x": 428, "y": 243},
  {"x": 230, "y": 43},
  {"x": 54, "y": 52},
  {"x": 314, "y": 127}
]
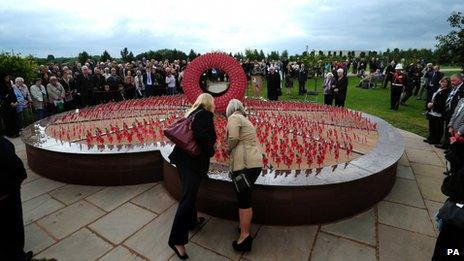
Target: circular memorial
[{"x": 322, "y": 163}]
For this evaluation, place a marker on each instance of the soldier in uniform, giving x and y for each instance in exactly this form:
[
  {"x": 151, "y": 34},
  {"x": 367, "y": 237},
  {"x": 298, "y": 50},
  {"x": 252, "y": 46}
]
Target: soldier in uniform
[{"x": 397, "y": 87}]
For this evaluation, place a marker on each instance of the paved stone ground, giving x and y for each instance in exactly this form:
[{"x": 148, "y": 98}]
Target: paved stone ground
[{"x": 70, "y": 222}]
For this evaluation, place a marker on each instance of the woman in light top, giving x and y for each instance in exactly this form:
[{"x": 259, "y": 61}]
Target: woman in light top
[{"x": 245, "y": 158}]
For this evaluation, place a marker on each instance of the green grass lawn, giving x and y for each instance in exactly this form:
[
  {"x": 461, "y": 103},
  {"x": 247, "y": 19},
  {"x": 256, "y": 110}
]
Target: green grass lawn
[{"x": 374, "y": 101}]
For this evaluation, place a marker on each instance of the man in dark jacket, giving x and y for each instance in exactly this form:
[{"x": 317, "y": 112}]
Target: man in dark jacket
[
  {"x": 11, "y": 218},
  {"x": 389, "y": 71},
  {"x": 273, "y": 84},
  {"x": 340, "y": 88},
  {"x": 85, "y": 87},
  {"x": 434, "y": 82},
  {"x": 302, "y": 77}
]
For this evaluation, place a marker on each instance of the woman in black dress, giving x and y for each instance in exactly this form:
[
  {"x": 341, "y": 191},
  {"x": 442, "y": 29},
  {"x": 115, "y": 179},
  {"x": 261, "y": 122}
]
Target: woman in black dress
[
  {"x": 436, "y": 112},
  {"x": 8, "y": 104},
  {"x": 192, "y": 170}
]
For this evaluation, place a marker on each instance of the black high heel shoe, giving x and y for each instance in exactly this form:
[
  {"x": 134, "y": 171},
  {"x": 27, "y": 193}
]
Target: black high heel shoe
[
  {"x": 245, "y": 246},
  {"x": 174, "y": 248}
]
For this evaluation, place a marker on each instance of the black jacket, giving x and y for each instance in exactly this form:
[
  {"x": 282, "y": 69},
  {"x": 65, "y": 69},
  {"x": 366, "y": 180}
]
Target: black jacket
[
  {"x": 342, "y": 86},
  {"x": 205, "y": 136},
  {"x": 13, "y": 172},
  {"x": 439, "y": 102}
]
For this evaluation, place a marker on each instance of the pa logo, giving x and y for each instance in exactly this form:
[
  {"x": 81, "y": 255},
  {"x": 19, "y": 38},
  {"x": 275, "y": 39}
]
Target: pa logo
[{"x": 452, "y": 252}]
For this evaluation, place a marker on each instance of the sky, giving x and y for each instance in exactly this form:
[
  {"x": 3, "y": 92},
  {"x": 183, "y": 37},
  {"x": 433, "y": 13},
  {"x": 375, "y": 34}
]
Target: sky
[{"x": 65, "y": 28}]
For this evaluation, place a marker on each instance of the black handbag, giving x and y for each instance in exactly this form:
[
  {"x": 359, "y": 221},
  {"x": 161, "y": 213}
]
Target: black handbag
[
  {"x": 240, "y": 180},
  {"x": 452, "y": 213}
]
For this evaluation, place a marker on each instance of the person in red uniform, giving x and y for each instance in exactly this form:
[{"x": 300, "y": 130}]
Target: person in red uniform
[{"x": 397, "y": 87}]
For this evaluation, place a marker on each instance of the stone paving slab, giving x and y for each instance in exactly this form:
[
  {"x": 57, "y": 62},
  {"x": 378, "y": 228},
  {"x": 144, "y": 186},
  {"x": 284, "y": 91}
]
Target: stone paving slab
[
  {"x": 432, "y": 208},
  {"x": 39, "y": 207},
  {"x": 332, "y": 248},
  {"x": 404, "y": 161},
  {"x": 112, "y": 197},
  {"x": 282, "y": 243},
  {"x": 360, "y": 228},
  {"x": 72, "y": 193},
  {"x": 428, "y": 170},
  {"x": 406, "y": 192},
  {"x": 200, "y": 253},
  {"x": 70, "y": 219},
  {"x": 36, "y": 239},
  {"x": 218, "y": 235},
  {"x": 122, "y": 222},
  {"x": 431, "y": 188},
  {"x": 409, "y": 218},
  {"x": 120, "y": 253},
  {"x": 156, "y": 199},
  {"x": 404, "y": 172},
  {"x": 82, "y": 245},
  {"x": 397, "y": 244},
  {"x": 38, "y": 187},
  {"x": 423, "y": 157},
  {"x": 152, "y": 240},
  {"x": 31, "y": 176}
]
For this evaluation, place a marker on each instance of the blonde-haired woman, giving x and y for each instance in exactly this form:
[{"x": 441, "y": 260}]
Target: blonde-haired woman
[
  {"x": 246, "y": 162},
  {"x": 192, "y": 169}
]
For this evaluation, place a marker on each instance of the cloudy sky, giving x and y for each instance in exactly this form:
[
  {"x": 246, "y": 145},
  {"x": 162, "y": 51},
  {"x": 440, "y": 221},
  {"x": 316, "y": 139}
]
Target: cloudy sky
[{"x": 65, "y": 28}]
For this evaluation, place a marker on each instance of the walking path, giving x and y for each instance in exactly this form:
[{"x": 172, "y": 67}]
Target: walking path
[{"x": 71, "y": 222}]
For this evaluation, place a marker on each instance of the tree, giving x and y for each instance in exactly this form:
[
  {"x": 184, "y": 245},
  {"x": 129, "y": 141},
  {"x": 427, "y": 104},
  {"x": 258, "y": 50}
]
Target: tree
[
  {"x": 261, "y": 55},
  {"x": 453, "y": 42},
  {"x": 17, "y": 66},
  {"x": 50, "y": 57},
  {"x": 130, "y": 57},
  {"x": 274, "y": 55},
  {"x": 192, "y": 55},
  {"x": 126, "y": 56},
  {"x": 105, "y": 56},
  {"x": 284, "y": 55},
  {"x": 83, "y": 57}
]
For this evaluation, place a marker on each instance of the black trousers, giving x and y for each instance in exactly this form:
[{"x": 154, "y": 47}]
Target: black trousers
[
  {"x": 340, "y": 102},
  {"x": 387, "y": 80},
  {"x": 436, "y": 129},
  {"x": 301, "y": 87},
  {"x": 450, "y": 237},
  {"x": 244, "y": 196},
  {"x": 12, "y": 228},
  {"x": 395, "y": 95},
  {"x": 447, "y": 136},
  {"x": 186, "y": 215},
  {"x": 407, "y": 93},
  {"x": 328, "y": 99}
]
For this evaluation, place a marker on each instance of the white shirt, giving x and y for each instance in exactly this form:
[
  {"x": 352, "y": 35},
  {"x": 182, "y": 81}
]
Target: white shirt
[{"x": 171, "y": 81}]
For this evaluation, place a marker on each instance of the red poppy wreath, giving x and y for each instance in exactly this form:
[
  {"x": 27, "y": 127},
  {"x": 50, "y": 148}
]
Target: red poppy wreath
[{"x": 221, "y": 61}]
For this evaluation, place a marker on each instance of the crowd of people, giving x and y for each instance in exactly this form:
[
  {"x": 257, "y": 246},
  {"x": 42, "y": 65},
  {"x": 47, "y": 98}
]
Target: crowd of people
[{"x": 60, "y": 87}]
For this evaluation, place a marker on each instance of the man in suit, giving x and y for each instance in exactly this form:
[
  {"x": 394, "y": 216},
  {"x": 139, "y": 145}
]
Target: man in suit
[
  {"x": 85, "y": 87},
  {"x": 389, "y": 71},
  {"x": 148, "y": 78},
  {"x": 11, "y": 217},
  {"x": 434, "y": 82},
  {"x": 302, "y": 77},
  {"x": 456, "y": 94},
  {"x": 273, "y": 84}
]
